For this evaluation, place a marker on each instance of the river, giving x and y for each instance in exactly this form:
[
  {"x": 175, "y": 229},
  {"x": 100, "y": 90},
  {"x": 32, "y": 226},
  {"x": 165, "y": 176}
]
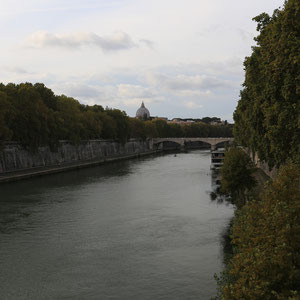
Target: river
[{"x": 136, "y": 229}]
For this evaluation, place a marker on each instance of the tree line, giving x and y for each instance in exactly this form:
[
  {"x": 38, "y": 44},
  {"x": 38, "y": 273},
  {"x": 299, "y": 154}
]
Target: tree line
[
  {"x": 267, "y": 117},
  {"x": 265, "y": 235},
  {"x": 34, "y": 116}
]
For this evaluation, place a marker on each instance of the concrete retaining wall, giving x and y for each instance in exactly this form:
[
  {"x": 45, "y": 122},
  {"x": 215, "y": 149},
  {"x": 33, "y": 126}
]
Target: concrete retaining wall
[{"x": 13, "y": 157}]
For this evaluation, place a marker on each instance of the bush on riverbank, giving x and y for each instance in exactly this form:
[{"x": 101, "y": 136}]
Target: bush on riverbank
[
  {"x": 266, "y": 243},
  {"x": 237, "y": 176}
]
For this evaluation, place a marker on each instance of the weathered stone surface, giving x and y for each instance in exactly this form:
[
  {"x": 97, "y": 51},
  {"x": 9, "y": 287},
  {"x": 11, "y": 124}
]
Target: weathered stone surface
[
  {"x": 272, "y": 173},
  {"x": 14, "y": 157}
]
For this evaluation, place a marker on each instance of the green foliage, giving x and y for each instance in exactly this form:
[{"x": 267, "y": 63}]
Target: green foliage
[
  {"x": 266, "y": 239},
  {"x": 69, "y": 112},
  {"x": 161, "y": 128},
  {"x": 5, "y": 114},
  {"x": 122, "y": 123},
  {"x": 29, "y": 124},
  {"x": 267, "y": 118},
  {"x": 47, "y": 95},
  {"x": 266, "y": 231},
  {"x": 34, "y": 116},
  {"x": 236, "y": 175},
  {"x": 137, "y": 129},
  {"x": 150, "y": 129}
]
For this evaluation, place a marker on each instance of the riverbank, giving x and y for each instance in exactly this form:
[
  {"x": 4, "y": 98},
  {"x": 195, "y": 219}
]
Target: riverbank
[
  {"x": 18, "y": 162},
  {"x": 46, "y": 170}
]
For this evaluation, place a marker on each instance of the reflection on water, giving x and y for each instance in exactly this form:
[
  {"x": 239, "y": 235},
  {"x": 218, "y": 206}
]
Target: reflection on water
[{"x": 140, "y": 229}]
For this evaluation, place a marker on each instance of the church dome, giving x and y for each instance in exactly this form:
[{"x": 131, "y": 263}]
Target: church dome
[{"x": 143, "y": 112}]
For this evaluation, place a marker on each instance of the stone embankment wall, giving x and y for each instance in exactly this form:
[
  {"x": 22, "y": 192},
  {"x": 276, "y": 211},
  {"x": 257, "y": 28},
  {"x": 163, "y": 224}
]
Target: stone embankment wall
[
  {"x": 272, "y": 173},
  {"x": 14, "y": 157}
]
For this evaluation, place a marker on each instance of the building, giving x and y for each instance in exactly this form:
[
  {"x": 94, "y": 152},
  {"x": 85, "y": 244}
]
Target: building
[
  {"x": 143, "y": 113},
  {"x": 181, "y": 121}
]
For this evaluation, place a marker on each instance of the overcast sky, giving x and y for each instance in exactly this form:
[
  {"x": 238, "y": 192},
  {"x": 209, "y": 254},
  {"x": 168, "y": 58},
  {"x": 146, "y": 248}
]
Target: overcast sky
[{"x": 183, "y": 58}]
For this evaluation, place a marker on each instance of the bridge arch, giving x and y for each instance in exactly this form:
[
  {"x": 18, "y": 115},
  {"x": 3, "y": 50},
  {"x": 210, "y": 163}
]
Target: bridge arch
[
  {"x": 197, "y": 145},
  {"x": 166, "y": 144},
  {"x": 222, "y": 144},
  {"x": 182, "y": 141}
]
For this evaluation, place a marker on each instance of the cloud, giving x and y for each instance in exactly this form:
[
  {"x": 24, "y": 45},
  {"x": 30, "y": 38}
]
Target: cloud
[
  {"x": 79, "y": 90},
  {"x": 18, "y": 75},
  {"x": 148, "y": 43},
  {"x": 114, "y": 42},
  {"x": 130, "y": 90},
  {"x": 109, "y": 95},
  {"x": 192, "y": 105},
  {"x": 16, "y": 70},
  {"x": 133, "y": 95},
  {"x": 186, "y": 84}
]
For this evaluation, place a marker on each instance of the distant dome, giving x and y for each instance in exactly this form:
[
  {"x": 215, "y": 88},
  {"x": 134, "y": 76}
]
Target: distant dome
[{"x": 143, "y": 112}]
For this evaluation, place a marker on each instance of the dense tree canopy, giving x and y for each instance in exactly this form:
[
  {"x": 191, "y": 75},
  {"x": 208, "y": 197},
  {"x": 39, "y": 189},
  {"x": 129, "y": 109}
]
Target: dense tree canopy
[
  {"x": 266, "y": 230},
  {"x": 33, "y": 115},
  {"x": 267, "y": 118},
  {"x": 266, "y": 239},
  {"x": 236, "y": 174}
]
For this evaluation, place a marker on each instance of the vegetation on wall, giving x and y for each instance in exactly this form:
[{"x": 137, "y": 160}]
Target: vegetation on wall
[
  {"x": 33, "y": 115},
  {"x": 267, "y": 118}
]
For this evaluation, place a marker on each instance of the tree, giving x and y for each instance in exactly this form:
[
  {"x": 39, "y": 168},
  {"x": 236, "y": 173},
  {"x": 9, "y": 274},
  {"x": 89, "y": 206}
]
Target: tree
[
  {"x": 151, "y": 130},
  {"x": 236, "y": 175},
  {"x": 6, "y": 112},
  {"x": 34, "y": 116},
  {"x": 162, "y": 128},
  {"x": 29, "y": 125},
  {"x": 71, "y": 116},
  {"x": 268, "y": 112},
  {"x": 92, "y": 124},
  {"x": 266, "y": 239},
  {"x": 122, "y": 123},
  {"x": 137, "y": 128},
  {"x": 47, "y": 95},
  {"x": 109, "y": 130}
]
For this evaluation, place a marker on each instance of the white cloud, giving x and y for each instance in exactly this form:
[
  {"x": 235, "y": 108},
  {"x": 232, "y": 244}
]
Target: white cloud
[
  {"x": 113, "y": 42},
  {"x": 186, "y": 84},
  {"x": 192, "y": 105},
  {"x": 109, "y": 95},
  {"x": 16, "y": 70},
  {"x": 132, "y": 91},
  {"x": 18, "y": 75}
]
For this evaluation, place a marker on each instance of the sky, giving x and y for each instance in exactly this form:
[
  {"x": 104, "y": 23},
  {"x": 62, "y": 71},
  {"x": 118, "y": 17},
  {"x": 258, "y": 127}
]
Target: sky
[{"x": 183, "y": 58}]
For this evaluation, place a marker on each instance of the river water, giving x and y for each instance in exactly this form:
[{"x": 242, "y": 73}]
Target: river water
[{"x": 138, "y": 229}]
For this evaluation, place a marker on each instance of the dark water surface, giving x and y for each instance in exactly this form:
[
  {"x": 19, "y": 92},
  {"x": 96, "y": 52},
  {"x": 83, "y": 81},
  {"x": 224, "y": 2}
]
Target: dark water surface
[{"x": 139, "y": 229}]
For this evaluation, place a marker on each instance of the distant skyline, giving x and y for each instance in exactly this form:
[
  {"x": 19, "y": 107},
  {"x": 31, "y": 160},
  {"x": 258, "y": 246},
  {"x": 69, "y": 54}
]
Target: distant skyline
[{"x": 182, "y": 58}]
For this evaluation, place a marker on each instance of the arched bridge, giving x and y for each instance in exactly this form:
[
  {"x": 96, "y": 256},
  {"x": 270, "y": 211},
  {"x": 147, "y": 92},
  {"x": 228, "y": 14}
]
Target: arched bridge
[{"x": 182, "y": 141}]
